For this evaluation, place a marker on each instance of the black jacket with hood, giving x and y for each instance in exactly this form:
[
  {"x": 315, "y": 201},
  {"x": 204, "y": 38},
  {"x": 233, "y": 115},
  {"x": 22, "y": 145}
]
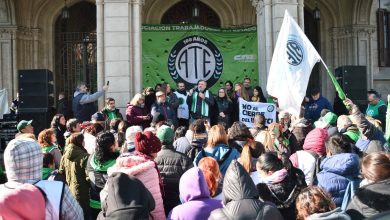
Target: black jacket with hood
[
  {"x": 122, "y": 203},
  {"x": 240, "y": 198},
  {"x": 285, "y": 193},
  {"x": 370, "y": 200}
]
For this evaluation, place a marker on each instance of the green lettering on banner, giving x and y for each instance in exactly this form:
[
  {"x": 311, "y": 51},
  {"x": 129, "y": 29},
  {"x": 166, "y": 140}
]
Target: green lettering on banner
[{"x": 169, "y": 54}]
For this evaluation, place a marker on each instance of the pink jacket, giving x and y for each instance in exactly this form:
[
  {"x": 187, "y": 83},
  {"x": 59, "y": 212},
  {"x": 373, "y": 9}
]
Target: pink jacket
[{"x": 145, "y": 171}]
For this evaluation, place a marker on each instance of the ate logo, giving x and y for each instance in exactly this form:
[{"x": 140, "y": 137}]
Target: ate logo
[
  {"x": 195, "y": 58},
  {"x": 294, "y": 51}
]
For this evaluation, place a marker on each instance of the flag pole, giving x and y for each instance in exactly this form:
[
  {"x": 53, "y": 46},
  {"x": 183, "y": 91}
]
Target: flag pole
[{"x": 336, "y": 84}]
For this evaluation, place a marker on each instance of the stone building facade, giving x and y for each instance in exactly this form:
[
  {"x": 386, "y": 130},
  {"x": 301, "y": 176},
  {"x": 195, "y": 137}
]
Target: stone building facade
[{"x": 346, "y": 35}]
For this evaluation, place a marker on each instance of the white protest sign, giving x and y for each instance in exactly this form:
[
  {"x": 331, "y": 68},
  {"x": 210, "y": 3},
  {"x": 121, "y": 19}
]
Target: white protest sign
[{"x": 248, "y": 111}]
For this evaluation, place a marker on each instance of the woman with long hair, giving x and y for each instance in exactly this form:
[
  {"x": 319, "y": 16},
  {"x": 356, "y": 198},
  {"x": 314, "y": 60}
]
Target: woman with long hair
[
  {"x": 58, "y": 124},
  {"x": 258, "y": 95},
  {"x": 47, "y": 140},
  {"x": 239, "y": 92},
  {"x": 217, "y": 147},
  {"x": 213, "y": 176},
  {"x": 137, "y": 113},
  {"x": 225, "y": 107}
]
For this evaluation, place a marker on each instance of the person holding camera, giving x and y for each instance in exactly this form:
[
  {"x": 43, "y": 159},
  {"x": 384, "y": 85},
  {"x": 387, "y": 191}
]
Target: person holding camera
[{"x": 137, "y": 113}]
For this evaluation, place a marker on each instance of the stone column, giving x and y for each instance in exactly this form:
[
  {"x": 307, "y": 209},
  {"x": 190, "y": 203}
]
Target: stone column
[
  {"x": 100, "y": 46},
  {"x": 113, "y": 45},
  {"x": 119, "y": 49},
  {"x": 137, "y": 45},
  {"x": 269, "y": 19},
  {"x": 8, "y": 72}
]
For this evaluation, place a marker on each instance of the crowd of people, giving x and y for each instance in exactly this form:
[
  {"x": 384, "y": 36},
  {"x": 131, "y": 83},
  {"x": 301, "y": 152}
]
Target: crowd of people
[{"x": 179, "y": 154}]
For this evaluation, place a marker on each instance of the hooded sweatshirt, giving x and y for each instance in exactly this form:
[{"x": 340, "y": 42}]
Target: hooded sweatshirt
[
  {"x": 241, "y": 198},
  {"x": 195, "y": 196},
  {"x": 122, "y": 203},
  {"x": 222, "y": 153}
]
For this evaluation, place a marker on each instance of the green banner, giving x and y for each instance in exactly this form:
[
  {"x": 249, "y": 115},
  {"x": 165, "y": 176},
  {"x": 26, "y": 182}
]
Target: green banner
[{"x": 189, "y": 53}]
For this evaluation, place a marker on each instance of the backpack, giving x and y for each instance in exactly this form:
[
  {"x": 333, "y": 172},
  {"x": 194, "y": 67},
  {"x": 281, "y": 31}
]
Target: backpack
[
  {"x": 55, "y": 193},
  {"x": 352, "y": 186},
  {"x": 317, "y": 166}
]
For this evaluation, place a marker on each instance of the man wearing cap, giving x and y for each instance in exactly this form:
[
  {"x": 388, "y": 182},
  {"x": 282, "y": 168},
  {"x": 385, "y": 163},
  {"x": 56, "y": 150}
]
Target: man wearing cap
[
  {"x": 376, "y": 107},
  {"x": 200, "y": 101},
  {"x": 172, "y": 165},
  {"x": 163, "y": 107},
  {"x": 24, "y": 127},
  {"x": 83, "y": 104}
]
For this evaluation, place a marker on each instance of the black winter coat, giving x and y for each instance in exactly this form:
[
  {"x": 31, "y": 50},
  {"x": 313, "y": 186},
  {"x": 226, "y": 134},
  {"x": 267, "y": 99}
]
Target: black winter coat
[
  {"x": 172, "y": 165},
  {"x": 284, "y": 194},
  {"x": 240, "y": 198},
  {"x": 226, "y": 106},
  {"x": 122, "y": 203},
  {"x": 59, "y": 133},
  {"x": 370, "y": 200}
]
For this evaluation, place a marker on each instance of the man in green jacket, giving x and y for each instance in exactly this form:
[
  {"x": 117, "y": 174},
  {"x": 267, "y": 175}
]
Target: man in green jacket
[
  {"x": 376, "y": 107},
  {"x": 110, "y": 111}
]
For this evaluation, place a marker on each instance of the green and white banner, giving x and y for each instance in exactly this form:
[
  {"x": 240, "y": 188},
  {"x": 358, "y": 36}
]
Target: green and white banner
[{"x": 172, "y": 53}]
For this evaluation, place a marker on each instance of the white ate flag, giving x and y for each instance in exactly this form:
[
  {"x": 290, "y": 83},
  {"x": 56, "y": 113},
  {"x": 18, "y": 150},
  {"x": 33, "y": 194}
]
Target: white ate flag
[{"x": 293, "y": 59}]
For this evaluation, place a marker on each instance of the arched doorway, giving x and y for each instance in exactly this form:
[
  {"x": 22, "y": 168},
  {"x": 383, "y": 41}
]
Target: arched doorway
[
  {"x": 75, "y": 52},
  {"x": 183, "y": 11}
]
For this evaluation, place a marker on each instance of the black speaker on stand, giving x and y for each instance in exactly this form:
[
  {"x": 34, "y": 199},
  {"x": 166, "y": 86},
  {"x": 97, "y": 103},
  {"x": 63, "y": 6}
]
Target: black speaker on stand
[{"x": 36, "y": 97}]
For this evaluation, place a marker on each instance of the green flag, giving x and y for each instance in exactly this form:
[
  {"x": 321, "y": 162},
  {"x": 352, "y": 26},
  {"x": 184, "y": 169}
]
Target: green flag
[
  {"x": 189, "y": 53},
  {"x": 336, "y": 84}
]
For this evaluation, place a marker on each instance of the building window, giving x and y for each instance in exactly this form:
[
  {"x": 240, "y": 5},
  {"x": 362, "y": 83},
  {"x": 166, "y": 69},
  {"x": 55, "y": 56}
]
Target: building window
[{"x": 383, "y": 31}]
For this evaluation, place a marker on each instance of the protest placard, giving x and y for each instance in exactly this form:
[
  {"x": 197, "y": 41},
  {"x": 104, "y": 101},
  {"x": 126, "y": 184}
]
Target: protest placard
[{"x": 248, "y": 111}]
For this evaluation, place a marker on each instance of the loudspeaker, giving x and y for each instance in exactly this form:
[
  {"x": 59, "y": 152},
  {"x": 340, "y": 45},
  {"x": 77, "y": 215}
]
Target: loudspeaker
[
  {"x": 41, "y": 117},
  {"x": 353, "y": 81},
  {"x": 35, "y": 88}
]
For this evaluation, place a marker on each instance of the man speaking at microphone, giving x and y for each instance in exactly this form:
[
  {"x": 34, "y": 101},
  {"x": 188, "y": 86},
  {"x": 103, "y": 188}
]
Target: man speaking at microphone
[{"x": 200, "y": 101}]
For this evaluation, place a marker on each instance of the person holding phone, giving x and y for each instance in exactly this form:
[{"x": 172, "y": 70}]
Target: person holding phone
[
  {"x": 83, "y": 104},
  {"x": 200, "y": 100}
]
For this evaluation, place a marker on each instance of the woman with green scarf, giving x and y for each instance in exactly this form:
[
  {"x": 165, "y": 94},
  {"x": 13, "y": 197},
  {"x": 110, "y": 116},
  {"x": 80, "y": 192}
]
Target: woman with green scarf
[
  {"x": 104, "y": 157},
  {"x": 47, "y": 140}
]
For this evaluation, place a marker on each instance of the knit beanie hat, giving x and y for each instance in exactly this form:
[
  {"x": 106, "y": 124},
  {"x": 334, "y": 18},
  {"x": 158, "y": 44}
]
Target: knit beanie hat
[
  {"x": 23, "y": 160},
  {"x": 315, "y": 141},
  {"x": 147, "y": 143},
  {"x": 165, "y": 134},
  {"x": 25, "y": 201}
]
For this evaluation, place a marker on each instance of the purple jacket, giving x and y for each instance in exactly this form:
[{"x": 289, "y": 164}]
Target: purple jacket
[
  {"x": 134, "y": 116},
  {"x": 195, "y": 196}
]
